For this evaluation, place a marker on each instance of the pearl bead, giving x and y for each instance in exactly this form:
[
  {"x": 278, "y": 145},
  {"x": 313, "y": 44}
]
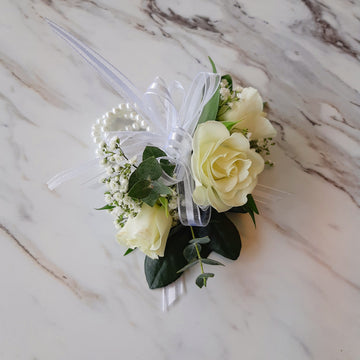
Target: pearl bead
[{"x": 135, "y": 126}]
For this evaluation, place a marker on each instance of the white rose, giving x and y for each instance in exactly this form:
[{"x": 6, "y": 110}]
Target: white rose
[
  {"x": 248, "y": 114},
  {"x": 148, "y": 231},
  {"x": 224, "y": 167}
]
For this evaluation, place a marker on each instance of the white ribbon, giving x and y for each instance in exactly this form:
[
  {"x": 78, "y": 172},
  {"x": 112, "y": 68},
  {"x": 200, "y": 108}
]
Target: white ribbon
[{"x": 171, "y": 130}]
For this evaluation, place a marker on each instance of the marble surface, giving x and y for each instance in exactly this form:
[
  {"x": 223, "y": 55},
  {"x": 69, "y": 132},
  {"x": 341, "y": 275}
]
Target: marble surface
[{"x": 67, "y": 292}]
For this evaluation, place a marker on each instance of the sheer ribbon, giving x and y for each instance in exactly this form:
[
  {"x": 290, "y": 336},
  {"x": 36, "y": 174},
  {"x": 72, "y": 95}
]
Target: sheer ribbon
[{"x": 171, "y": 129}]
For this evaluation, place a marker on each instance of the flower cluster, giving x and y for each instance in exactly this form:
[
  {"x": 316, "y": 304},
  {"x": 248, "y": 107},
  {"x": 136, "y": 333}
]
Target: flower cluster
[
  {"x": 227, "y": 157},
  {"x": 118, "y": 170},
  {"x": 231, "y": 137}
]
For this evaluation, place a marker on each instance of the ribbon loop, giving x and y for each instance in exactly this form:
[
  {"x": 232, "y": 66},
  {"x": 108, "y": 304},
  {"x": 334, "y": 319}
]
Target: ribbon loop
[{"x": 170, "y": 130}]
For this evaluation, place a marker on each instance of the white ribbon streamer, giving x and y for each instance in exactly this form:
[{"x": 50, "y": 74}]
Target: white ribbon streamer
[
  {"x": 171, "y": 130},
  {"x": 171, "y": 293}
]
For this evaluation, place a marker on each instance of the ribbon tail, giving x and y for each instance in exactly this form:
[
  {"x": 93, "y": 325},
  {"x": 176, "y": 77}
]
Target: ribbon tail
[
  {"x": 117, "y": 80},
  {"x": 72, "y": 173},
  {"x": 190, "y": 214},
  {"x": 172, "y": 292}
]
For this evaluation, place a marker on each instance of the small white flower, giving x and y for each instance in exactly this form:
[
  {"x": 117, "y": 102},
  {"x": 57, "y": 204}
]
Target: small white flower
[
  {"x": 114, "y": 185},
  {"x": 132, "y": 161},
  {"x": 108, "y": 198},
  {"x": 224, "y": 83},
  {"x": 113, "y": 143},
  {"x": 224, "y": 93},
  {"x": 117, "y": 225},
  {"x": 118, "y": 158},
  {"x": 238, "y": 88},
  {"x": 117, "y": 196},
  {"x": 109, "y": 170}
]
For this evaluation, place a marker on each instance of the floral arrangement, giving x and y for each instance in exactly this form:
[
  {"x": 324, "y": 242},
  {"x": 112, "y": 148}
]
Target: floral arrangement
[{"x": 170, "y": 182}]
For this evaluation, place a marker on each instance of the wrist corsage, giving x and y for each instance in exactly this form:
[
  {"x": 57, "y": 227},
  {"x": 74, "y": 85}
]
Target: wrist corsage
[{"x": 171, "y": 174}]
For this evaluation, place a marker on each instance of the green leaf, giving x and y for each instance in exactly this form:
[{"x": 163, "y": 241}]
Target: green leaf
[
  {"x": 201, "y": 279},
  {"x": 211, "y": 262},
  {"x": 149, "y": 169},
  {"x": 188, "y": 266},
  {"x": 157, "y": 189},
  {"x": 190, "y": 252},
  {"x": 202, "y": 240},
  {"x": 150, "y": 151},
  {"x": 212, "y": 65},
  {"x": 151, "y": 199},
  {"x": 228, "y": 78},
  {"x": 163, "y": 271},
  {"x": 211, "y": 108},
  {"x": 206, "y": 275},
  {"x": 249, "y": 208},
  {"x": 164, "y": 203},
  {"x": 229, "y": 124},
  {"x": 224, "y": 236},
  {"x": 160, "y": 188},
  {"x": 106, "y": 207},
  {"x": 200, "y": 282},
  {"x": 128, "y": 251},
  {"x": 251, "y": 204},
  {"x": 167, "y": 166},
  {"x": 140, "y": 189}
]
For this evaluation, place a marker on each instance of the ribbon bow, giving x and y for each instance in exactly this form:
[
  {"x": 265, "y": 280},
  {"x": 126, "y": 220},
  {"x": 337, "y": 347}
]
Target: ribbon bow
[{"x": 171, "y": 130}]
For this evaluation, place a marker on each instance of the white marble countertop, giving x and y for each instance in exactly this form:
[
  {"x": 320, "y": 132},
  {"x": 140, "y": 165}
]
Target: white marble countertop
[{"x": 67, "y": 292}]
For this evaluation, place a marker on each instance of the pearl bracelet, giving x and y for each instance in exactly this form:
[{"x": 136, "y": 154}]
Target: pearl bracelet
[{"x": 121, "y": 118}]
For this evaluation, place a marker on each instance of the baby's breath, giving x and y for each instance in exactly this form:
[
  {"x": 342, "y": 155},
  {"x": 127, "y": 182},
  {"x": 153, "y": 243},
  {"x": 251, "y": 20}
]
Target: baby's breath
[{"x": 118, "y": 170}]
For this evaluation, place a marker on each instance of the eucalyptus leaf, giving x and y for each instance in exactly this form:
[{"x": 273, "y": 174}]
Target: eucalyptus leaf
[
  {"x": 202, "y": 240},
  {"x": 200, "y": 282},
  {"x": 188, "y": 266},
  {"x": 140, "y": 189},
  {"x": 152, "y": 151},
  {"x": 211, "y": 262},
  {"x": 167, "y": 166},
  {"x": 160, "y": 188},
  {"x": 201, "y": 279},
  {"x": 206, "y": 275},
  {"x": 163, "y": 271},
  {"x": 190, "y": 253},
  {"x": 151, "y": 198},
  {"x": 149, "y": 169}
]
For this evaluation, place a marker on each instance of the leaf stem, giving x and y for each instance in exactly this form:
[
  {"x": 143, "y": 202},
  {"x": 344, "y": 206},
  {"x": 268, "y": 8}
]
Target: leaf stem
[{"x": 198, "y": 255}]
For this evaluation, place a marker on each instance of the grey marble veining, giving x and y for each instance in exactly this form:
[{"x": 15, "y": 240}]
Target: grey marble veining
[{"x": 67, "y": 290}]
